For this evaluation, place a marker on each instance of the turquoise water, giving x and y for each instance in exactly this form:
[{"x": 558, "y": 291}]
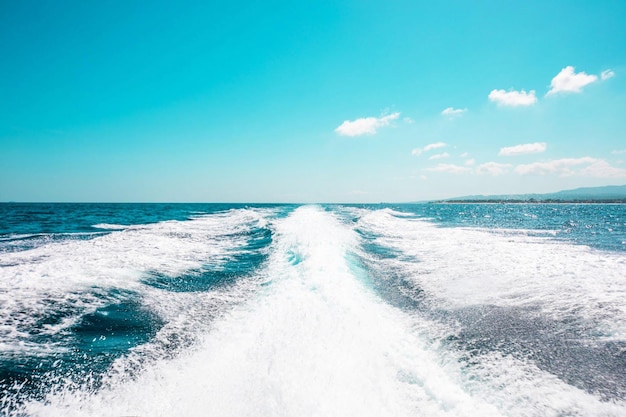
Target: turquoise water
[{"x": 196, "y": 309}]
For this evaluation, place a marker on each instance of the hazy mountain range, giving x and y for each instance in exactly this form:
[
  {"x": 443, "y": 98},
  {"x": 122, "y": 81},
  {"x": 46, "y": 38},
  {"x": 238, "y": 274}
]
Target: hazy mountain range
[{"x": 611, "y": 193}]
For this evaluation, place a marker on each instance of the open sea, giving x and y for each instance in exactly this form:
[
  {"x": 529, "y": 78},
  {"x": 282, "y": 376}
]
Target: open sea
[{"x": 321, "y": 310}]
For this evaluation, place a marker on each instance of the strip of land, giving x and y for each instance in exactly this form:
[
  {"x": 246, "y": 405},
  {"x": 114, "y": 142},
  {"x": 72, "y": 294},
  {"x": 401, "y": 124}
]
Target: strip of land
[{"x": 613, "y": 194}]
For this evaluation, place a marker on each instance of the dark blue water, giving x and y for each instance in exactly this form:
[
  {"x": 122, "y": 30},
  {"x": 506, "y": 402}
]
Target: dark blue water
[{"x": 27, "y": 225}]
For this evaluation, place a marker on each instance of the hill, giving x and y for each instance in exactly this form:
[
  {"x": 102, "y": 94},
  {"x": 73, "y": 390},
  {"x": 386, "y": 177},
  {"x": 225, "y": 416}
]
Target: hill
[{"x": 606, "y": 194}]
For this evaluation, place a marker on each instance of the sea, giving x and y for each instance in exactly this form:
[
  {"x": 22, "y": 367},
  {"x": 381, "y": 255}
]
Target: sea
[{"x": 312, "y": 310}]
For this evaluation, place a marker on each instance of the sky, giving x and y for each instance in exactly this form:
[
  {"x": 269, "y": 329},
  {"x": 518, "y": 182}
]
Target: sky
[{"x": 309, "y": 101}]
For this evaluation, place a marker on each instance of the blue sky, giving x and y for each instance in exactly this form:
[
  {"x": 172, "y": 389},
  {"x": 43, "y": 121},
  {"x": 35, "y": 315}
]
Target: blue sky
[{"x": 353, "y": 101}]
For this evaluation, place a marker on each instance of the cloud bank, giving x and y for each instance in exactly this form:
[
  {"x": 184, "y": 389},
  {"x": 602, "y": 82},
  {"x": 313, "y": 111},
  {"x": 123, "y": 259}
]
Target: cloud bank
[
  {"x": 567, "y": 167},
  {"x": 365, "y": 125}
]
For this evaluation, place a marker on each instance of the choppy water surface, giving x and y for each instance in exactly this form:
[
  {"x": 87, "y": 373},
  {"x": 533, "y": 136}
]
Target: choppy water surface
[{"x": 233, "y": 310}]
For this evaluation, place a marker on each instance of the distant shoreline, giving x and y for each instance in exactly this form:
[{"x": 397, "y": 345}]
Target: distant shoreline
[{"x": 532, "y": 201}]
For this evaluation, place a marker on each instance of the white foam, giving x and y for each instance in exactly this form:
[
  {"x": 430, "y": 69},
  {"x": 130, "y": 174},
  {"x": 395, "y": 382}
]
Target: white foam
[
  {"x": 77, "y": 274},
  {"x": 315, "y": 343},
  {"x": 519, "y": 388},
  {"x": 110, "y": 226},
  {"x": 465, "y": 267}
]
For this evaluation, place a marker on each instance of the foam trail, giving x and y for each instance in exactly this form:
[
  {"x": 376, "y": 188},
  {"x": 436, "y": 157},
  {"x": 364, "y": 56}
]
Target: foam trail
[
  {"x": 537, "y": 324},
  {"x": 463, "y": 267},
  {"x": 75, "y": 277},
  {"x": 316, "y": 342}
]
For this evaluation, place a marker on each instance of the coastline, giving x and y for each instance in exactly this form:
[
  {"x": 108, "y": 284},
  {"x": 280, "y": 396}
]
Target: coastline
[{"x": 532, "y": 201}]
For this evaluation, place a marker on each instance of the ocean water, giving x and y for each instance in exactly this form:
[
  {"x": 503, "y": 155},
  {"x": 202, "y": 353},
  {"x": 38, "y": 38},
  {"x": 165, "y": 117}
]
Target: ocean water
[{"x": 321, "y": 310}]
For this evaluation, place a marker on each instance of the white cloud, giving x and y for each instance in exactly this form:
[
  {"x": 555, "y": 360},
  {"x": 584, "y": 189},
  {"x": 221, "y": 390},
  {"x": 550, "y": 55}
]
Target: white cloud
[
  {"x": 451, "y": 111},
  {"x": 562, "y": 167},
  {"x": 606, "y": 74},
  {"x": 440, "y": 156},
  {"x": 513, "y": 98},
  {"x": 493, "y": 168},
  {"x": 429, "y": 147},
  {"x": 470, "y": 162},
  {"x": 434, "y": 146},
  {"x": 449, "y": 168},
  {"x": 464, "y": 154},
  {"x": 408, "y": 120},
  {"x": 567, "y": 167},
  {"x": 524, "y": 149},
  {"x": 618, "y": 151},
  {"x": 365, "y": 125},
  {"x": 602, "y": 169},
  {"x": 568, "y": 81}
]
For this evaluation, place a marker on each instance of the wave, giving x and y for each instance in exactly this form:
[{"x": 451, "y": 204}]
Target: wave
[
  {"x": 108, "y": 226},
  {"x": 546, "y": 303},
  {"x": 52, "y": 296}
]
